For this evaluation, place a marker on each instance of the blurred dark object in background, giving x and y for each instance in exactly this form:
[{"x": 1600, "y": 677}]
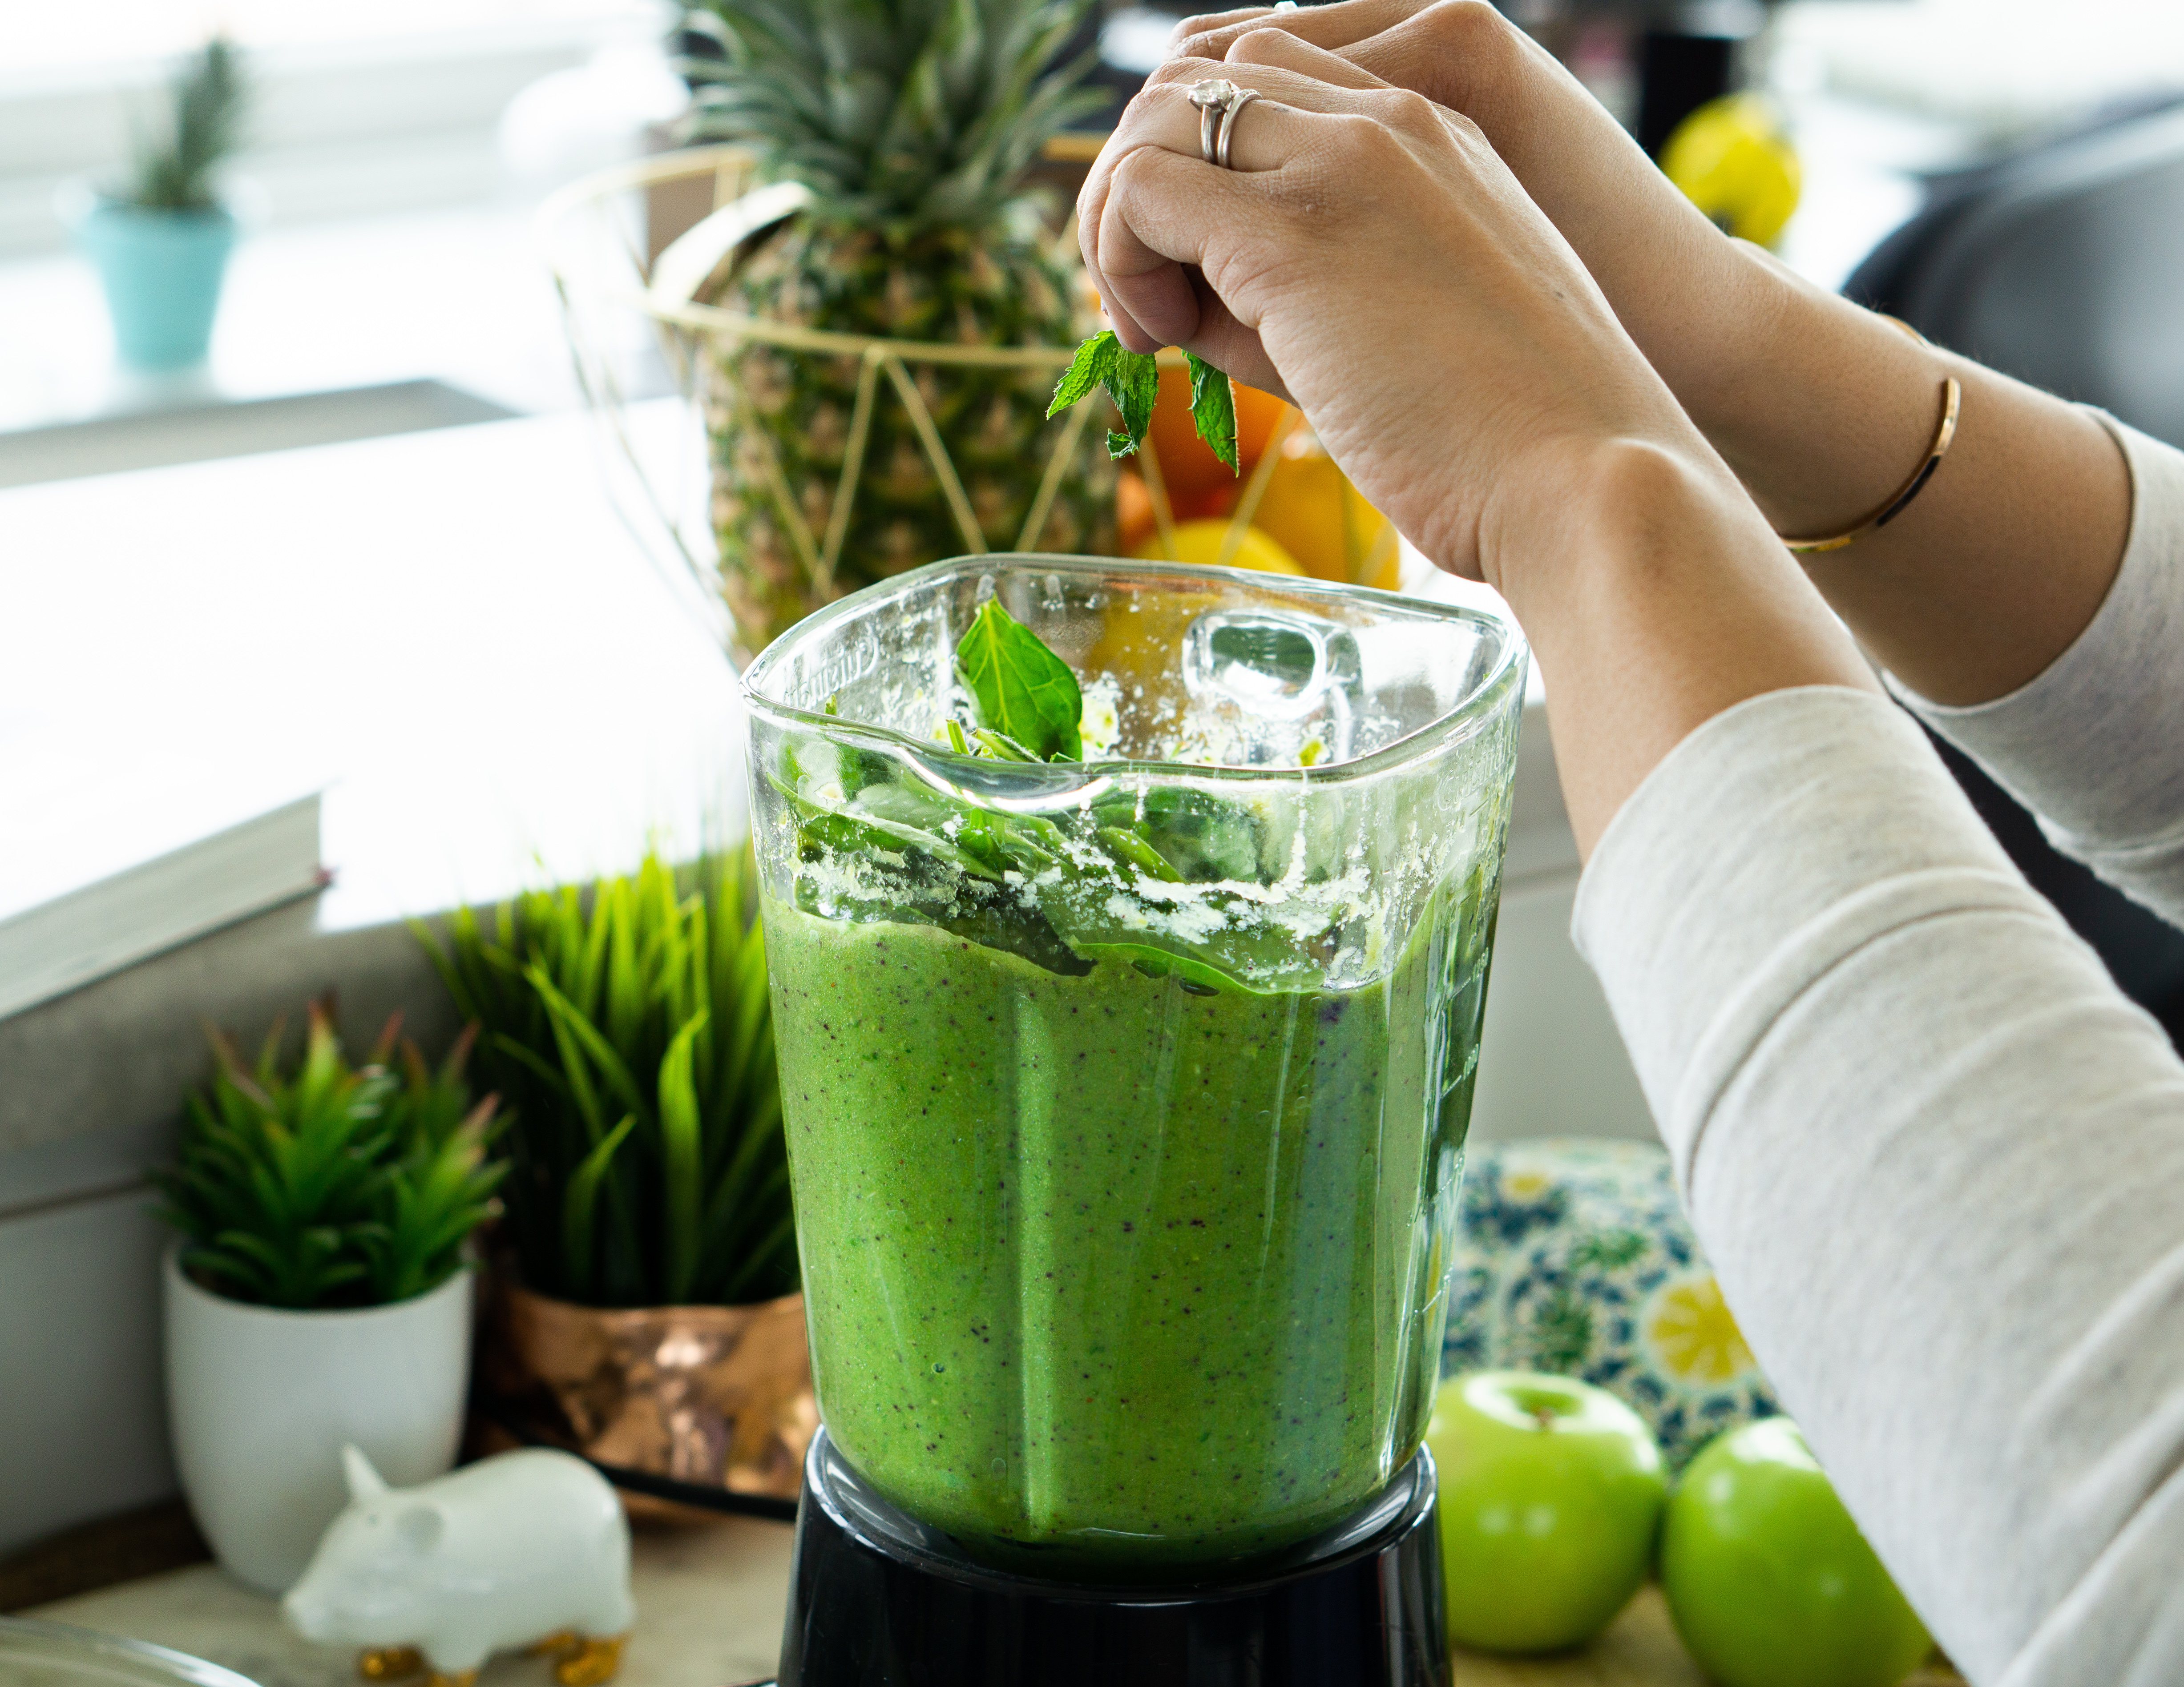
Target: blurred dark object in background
[
  {"x": 2061, "y": 265},
  {"x": 1688, "y": 55}
]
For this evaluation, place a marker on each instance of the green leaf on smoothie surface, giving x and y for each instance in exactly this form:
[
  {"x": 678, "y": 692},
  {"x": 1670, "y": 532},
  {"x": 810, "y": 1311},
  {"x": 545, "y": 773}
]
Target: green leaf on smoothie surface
[{"x": 1024, "y": 692}]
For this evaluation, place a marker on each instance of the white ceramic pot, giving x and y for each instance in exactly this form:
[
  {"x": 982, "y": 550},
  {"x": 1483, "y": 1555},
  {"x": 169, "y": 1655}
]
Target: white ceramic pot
[{"x": 261, "y": 1400}]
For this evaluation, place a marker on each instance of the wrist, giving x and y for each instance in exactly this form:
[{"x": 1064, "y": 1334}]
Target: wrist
[
  {"x": 1571, "y": 507},
  {"x": 1818, "y": 407}
]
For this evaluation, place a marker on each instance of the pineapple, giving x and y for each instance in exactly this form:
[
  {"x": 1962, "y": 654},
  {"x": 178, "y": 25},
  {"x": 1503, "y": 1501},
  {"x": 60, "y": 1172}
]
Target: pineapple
[{"x": 911, "y": 122}]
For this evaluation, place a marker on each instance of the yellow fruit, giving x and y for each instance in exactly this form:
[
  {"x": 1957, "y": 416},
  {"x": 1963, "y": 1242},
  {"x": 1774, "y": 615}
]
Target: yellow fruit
[
  {"x": 1733, "y": 161},
  {"x": 1311, "y": 510},
  {"x": 1201, "y": 543}
]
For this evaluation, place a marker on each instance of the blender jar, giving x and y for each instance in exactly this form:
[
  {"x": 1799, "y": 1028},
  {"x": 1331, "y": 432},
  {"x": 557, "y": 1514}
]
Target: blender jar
[{"x": 1125, "y": 1098}]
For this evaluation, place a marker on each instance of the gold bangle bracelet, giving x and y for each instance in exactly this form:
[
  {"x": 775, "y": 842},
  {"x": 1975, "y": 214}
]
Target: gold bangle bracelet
[{"x": 1953, "y": 398}]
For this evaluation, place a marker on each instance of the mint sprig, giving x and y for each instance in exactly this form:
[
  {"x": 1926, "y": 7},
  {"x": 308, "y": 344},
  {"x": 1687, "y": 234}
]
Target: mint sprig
[
  {"x": 1214, "y": 408},
  {"x": 1132, "y": 380},
  {"x": 1027, "y": 697}
]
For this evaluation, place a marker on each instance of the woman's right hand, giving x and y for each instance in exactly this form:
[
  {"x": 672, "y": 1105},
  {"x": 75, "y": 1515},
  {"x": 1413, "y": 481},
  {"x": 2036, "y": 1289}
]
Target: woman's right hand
[
  {"x": 1820, "y": 408},
  {"x": 1815, "y": 403},
  {"x": 1372, "y": 257},
  {"x": 1700, "y": 305}
]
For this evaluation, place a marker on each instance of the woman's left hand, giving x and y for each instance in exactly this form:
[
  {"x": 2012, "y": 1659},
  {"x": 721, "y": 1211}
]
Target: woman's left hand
[{"x": 1371, "y": 256}]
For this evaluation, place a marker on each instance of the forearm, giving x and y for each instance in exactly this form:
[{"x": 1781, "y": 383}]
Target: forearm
[
  {"x": 2080, "y": 745},
  {"x": 1654, "y": 599},
  {"x": 1934, "y": 1156},
  {"x": 1823, "y": 409}
]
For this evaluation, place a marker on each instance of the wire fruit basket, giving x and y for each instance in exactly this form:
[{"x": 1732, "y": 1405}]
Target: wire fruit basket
[{"x": 676, "y": 386}]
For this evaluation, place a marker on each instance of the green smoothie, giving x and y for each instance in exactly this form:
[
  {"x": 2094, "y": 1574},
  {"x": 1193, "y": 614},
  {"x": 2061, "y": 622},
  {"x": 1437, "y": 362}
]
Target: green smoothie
[{"x": 1116, "y": 1274}]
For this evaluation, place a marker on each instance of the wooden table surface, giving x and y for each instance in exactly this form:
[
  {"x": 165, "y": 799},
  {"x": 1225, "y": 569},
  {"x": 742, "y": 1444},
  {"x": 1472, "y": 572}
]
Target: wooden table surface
[
  {"x": 1639, "y": 1649},
  {"x": 710, "y": 1600}
]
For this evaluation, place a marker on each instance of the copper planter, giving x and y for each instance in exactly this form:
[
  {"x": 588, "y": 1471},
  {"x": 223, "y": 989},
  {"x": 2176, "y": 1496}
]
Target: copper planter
[{"x": 713, "y": 1396}]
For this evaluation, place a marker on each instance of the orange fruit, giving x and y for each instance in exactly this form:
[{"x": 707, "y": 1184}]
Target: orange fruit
[
  {"x": 1188, "y": 465},
  {"x": 1201, "y": 542}
]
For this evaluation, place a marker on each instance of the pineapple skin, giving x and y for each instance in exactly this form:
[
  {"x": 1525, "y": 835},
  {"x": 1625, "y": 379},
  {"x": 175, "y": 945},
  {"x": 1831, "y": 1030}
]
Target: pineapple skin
[{"x": 951, "y": 286}]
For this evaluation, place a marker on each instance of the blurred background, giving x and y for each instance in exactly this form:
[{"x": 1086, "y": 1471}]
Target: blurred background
[
  {"x": 394, "y": 153},
  {"x": 362, "y": 480}
]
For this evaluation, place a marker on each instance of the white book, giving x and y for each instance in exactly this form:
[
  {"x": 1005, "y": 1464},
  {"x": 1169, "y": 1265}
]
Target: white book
[{"x": 91, "y": 882}]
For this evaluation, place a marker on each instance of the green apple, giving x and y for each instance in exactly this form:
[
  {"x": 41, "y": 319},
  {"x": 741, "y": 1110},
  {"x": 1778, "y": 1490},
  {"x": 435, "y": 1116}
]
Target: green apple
[
  {"x": 1551, "y": 1491},
  {"x": 1769, "y": 1580}
]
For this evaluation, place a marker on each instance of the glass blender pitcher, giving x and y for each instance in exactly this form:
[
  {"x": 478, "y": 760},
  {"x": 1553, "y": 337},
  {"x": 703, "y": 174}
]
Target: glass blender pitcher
[{"x": 1126, "y": 1097}]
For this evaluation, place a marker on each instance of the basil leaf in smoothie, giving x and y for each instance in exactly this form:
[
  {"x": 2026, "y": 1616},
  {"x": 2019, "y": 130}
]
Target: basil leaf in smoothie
[
  {"x": 1155, "y": 962},
  {"x": 1023, "y": 690},
  {"x": 1202, "y": 837}
]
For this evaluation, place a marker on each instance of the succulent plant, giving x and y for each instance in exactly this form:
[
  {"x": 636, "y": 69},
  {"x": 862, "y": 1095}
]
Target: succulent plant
[
  {"x": 629, "y": 1025},
  {"x": 174, "y": 170},
  {"x": 336, "y": 1186}
]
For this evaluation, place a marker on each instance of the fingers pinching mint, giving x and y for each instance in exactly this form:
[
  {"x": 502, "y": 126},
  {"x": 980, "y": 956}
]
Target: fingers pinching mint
[{"x": 1132, "y": 380}]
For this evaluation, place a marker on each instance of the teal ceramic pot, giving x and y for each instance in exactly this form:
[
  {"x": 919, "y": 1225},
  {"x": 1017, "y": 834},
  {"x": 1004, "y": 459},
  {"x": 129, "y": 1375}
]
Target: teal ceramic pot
[
  {"x": 1574, "y": 1257},
  {"x": 162, "y": 271}
]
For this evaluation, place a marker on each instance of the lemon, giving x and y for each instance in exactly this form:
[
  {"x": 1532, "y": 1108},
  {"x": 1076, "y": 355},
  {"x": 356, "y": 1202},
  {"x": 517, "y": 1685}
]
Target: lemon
[
  {"x": 1311, "y": 510},
  {"x": 1732, "y": 160},
  {"x": 1201, "y": 543}
]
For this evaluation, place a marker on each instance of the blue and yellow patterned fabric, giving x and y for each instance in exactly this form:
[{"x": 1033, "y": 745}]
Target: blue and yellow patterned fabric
[{"x": 1574, "y": 1257}]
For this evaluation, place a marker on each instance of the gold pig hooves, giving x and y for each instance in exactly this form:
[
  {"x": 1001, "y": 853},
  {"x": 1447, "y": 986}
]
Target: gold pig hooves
[
  {"x": 581, "y": 1660},
  {"x": 390, "y": 1664}
]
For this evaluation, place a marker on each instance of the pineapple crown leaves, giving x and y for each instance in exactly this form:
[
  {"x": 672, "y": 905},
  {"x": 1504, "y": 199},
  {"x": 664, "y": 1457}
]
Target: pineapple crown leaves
[
  {"x": 175, "y": 173},
  {"x": 912, "y": 116},
  {"x": 337, "y": 1186}
]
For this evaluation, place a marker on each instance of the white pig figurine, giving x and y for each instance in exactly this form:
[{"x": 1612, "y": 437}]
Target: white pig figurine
[{"x": 526, "y": 1549}]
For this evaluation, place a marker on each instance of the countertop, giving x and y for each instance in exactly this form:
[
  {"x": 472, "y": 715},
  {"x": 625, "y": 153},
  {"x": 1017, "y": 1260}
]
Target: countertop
[{"x": 709, "y": 1599}]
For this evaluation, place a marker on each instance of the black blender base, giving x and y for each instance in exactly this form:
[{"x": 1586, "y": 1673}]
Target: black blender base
[{"x": 877, "y": 1600}]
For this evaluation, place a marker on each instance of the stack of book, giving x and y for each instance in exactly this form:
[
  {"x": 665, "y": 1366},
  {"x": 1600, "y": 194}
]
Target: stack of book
[{"x": 94, "y": 880}]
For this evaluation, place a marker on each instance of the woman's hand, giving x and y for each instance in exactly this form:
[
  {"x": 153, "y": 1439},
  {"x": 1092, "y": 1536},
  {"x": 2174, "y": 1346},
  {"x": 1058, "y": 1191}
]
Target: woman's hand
[
  {"x": 1697, "y": 304},
  {"x": 1370, "y": 256},
  {"x": 1821, "y": 408}
]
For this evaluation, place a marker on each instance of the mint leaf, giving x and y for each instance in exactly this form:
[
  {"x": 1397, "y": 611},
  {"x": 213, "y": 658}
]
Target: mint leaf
[
  {"x": 1087, "y": 369},
  {"x": 1213, "y": 410},
  {"x": 1134, "y": 383},
  {"x": 1132, "y": 380},
  {"x": 1023, "y": 690}
]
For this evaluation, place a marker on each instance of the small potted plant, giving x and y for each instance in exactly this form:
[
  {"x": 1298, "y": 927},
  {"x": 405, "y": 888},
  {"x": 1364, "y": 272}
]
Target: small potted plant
[
  {"x": 161, "y": 242},
  {"x": 645, "y": 1313},
  {"x": 318, "y": 1293}
]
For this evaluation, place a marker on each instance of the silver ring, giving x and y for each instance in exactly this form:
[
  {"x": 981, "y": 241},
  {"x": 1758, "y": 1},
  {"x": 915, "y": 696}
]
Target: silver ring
[
  {"x": 1243, "y": 97},
  {"x": 1218, "y": 100}
]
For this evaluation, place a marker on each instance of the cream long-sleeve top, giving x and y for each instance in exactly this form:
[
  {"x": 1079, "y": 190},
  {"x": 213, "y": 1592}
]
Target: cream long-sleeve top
[{"x": 1936, "y": 1157}]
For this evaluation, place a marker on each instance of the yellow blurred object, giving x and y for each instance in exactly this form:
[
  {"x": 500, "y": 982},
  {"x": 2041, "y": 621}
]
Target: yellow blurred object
[
  {"x": 1311, "y": 509},
  {"x": 1733, "y": 161},
  {"x": 1201, "y": 542}
]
